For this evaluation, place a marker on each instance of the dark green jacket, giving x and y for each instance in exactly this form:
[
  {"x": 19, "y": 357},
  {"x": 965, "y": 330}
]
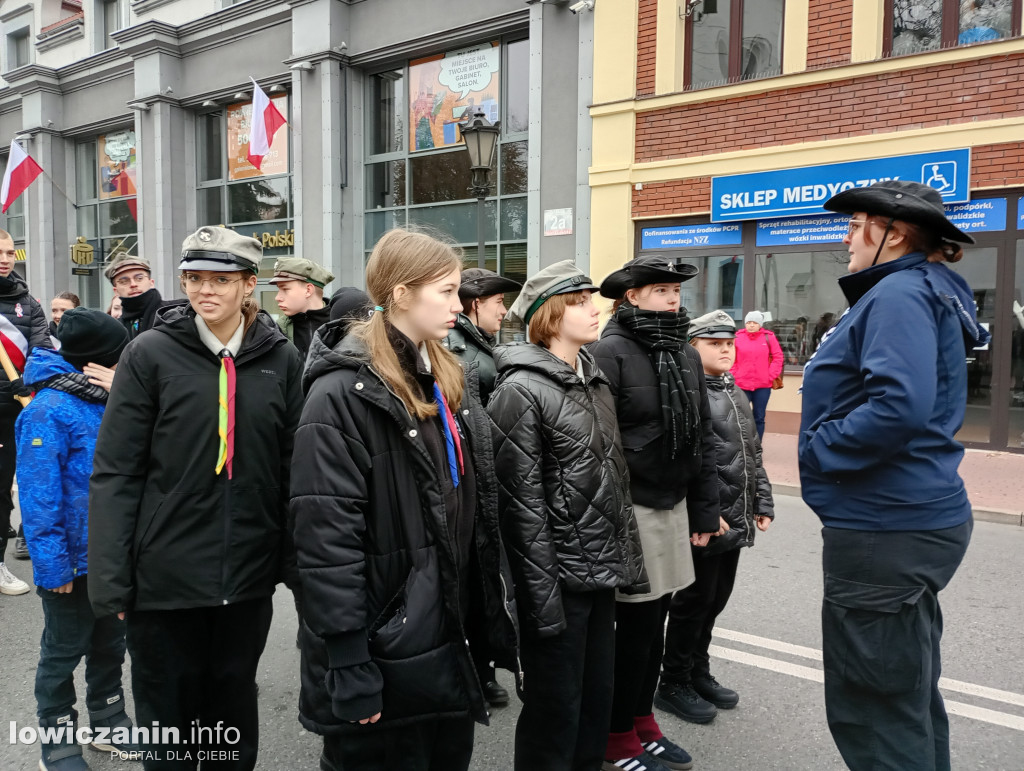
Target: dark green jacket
[{"x": 470, "y": 343}]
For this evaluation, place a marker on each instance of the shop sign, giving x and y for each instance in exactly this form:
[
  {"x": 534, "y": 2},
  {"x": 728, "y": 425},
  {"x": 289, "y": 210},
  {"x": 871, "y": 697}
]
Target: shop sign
[
  {"x": 446, "y": 89},
  {"x": 690, "y": 236},
  {"x": 274, "y": 162},
  {"x": 82, "y": 252},
  {"x": 277, "y": 239},
  {"x": 1020, "y": 214},
  {"x": 802, "y": 191},
  {"x": 984, "y": 215}
]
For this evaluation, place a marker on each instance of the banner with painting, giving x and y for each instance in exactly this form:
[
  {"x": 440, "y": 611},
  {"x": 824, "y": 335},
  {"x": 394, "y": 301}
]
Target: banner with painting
[
  {"x": 239, "y": 121},
  {"x": 446, "y": 89},
  {"x": 117, "y": 164}
]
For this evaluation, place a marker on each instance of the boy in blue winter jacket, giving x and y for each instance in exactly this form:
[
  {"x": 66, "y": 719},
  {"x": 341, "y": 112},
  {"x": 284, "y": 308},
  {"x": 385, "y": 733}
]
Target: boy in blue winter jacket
[{"x": 56, "y": 437}]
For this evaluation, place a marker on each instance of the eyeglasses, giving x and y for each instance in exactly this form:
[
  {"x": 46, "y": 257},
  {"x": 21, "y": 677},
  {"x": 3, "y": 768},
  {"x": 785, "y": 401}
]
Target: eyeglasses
[
  {"x": 138, "y": 278},
  {"x": 218, "y": 284},
  {"x": 856, "y": 225}
]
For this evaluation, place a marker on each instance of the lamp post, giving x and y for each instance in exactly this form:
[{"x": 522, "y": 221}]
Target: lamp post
[{"x": 481, "y": 139}]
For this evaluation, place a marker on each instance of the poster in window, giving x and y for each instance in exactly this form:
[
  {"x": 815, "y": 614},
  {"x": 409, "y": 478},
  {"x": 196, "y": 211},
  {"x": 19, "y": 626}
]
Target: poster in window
[
  {"x": 117, "y": 168},
  {"x": 275, "y": 162},
  {"x": 446, "y": 89}
]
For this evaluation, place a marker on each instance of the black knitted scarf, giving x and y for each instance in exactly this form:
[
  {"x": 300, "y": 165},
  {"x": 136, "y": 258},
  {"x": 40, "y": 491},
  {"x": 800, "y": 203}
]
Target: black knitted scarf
[
  {"x": 664, "y": 334},
  {"x": 74, "y": 383}
]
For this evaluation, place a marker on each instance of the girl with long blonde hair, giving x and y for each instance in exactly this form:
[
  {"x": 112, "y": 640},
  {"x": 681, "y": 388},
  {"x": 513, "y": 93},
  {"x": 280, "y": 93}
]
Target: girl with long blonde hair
[{"x": 394, "y": 501}]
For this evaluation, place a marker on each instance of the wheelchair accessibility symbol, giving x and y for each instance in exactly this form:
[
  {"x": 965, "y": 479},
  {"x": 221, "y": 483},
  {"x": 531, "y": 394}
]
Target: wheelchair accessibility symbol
[{"x": 941, "y": 176}]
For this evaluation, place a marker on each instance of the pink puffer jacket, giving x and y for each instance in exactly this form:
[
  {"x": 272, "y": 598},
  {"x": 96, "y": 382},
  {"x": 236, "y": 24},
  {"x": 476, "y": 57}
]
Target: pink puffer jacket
[{"x": 758, "y": 359}]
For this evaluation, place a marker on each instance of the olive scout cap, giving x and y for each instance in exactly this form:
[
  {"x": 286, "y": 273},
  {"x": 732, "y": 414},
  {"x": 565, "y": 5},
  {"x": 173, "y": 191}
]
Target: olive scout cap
[
  {"x": 220, "y": 249},
  {"x": 561, "y": 278},
  {"x": 124, "y": 262},
  {"x": 299, "y": 269},
  {"x": 717, "y": 324}
]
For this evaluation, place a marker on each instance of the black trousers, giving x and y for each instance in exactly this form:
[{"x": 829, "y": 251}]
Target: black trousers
[
  {"x": 199, "y": 664},
  {"x": 692, "y": 616},
  {"x": 639, "y": 645},
  {"x": 71, "y": 632},
  {"x": 429, "y": 745},
  {"x": 567, "y": 688},
  {"x": 881, "y": 628},
  {"x": 8, "y": 460}
]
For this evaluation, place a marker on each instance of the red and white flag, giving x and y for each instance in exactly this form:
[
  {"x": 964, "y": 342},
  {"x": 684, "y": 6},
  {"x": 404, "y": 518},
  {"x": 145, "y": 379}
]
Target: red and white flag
[
  {"x": 21, "y": 170},
  {"x": 14, "y": 341},
  {"x": 266, "y": 120}
]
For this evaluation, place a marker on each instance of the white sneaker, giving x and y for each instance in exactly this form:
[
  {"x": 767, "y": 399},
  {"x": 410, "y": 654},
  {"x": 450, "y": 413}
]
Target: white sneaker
[{"x": 9, "y": 583}]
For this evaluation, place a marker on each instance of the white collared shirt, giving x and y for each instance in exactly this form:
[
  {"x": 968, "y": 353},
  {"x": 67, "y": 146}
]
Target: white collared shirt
[{"x": 211, "y": 341}]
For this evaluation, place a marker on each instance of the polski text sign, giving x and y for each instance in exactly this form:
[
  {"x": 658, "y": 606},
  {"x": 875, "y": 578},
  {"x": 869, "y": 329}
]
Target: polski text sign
[{"x": 801, "y": 192}]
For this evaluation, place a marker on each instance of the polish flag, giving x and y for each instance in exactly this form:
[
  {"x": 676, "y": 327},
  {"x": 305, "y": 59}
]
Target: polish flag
[
  {"x": 266, "y": 120},
  {"x": 14, "y": 341},
  {"x": 21, "y": 170}
]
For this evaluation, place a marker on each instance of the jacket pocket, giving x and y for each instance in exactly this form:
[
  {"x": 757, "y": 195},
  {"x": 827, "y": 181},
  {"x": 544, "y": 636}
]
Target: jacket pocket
[
  {"x": 413, "y": 620},
  {"x": 872, "y": 635}
]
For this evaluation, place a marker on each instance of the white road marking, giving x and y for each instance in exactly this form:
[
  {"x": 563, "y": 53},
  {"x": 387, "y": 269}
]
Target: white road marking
[{"x": 994, "y": 717}]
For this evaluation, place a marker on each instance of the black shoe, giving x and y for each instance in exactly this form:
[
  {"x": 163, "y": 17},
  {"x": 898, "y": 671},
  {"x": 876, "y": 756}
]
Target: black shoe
[
  {"x": 107, "y": 720},
  {"x": 495, "y": 695},
  {"x": 64, "y": 753},
  {"x": 20, "y": 549},
  {"x": 710, "y": 690},
  {"x": 683, "y": 701}
]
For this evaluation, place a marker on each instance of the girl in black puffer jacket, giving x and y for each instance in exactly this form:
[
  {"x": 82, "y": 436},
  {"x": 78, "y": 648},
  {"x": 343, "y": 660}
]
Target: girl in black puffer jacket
[
  {"x": 745, "y": 496},
  {"x": 566, "y": 517},
  {"x": 395, "y": 508}
]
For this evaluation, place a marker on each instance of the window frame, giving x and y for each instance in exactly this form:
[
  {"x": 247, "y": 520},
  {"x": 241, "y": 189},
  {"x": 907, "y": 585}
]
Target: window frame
[
  {"x": 950, "y": 28},
  {"x": 16, "y": 39},
  {"x": 735, "y": 47}
]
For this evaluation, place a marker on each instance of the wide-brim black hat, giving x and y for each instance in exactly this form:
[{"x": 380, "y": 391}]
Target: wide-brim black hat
[
  {"x": 647, "y": 269},
  {"x": 480, "y": 282},
  {"x": 902, "y": 200}
]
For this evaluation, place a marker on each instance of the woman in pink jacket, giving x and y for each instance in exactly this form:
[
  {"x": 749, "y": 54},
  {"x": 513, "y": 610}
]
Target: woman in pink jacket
[{"x": 758, "y": 362}]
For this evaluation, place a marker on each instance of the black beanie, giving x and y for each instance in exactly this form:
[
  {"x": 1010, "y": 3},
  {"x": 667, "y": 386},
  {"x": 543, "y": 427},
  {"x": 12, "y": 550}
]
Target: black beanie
[
  {"x": 90, "y": 337},
  {"x": 350, "y": 303}
]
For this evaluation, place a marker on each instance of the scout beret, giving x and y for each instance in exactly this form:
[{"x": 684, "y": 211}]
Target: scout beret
[
  {"x": 220, "y": 249},
  {"x": 716, "y": 324},
  {"x": 300, "y": 269}
]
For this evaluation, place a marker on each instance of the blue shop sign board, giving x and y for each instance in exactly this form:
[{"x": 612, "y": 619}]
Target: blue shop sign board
[
  {"x": 688, "y": 236},
  {"x": 1020, "y": 214},
  {"x": 983, "y": 215},
  {"x": 801, "y": 192}
]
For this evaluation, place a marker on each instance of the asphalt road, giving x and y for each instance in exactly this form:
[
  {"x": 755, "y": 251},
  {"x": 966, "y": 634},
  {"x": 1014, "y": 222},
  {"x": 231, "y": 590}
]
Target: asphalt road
[{"x": 768, "y": 648}]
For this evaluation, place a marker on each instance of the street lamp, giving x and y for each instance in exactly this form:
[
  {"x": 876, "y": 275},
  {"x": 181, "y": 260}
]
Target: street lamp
[{"x": 481, "y": 140}]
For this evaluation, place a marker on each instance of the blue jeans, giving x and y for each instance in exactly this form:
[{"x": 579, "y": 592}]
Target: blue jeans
[
  {"x": 881, "y": 629},
  {"x": 759, "y": 404},
  {"x": 71, "y": 631}
]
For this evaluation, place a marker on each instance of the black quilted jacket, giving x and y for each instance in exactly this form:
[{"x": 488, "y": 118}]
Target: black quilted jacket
[
  {"x": 470, "y": 344},
  {"x": 743, "y": 487},
  {"x": 23, "y": 311},
  {"x": 383, "y": 630},
  {"x": 563, "y": 484}
]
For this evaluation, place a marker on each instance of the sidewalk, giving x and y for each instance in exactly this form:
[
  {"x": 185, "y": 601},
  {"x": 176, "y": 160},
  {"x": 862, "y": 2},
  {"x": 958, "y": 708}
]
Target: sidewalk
[{"x": 995, "y": 480}]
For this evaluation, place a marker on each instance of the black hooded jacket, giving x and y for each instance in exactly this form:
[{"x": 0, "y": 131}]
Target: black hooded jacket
[
  {"x": 743, "y": 487},
  {"x": 138, "y": 313},
  {"x": 27, "y": 316},
  {"x": 380, "y": 577},
  {"x": 655, "y": 480},
  {"x": 472, "y": 344},
  {"x": 301, "y": 327},
  {"x": 566, "y": 514},
  {"x": 166, "y": 531}
]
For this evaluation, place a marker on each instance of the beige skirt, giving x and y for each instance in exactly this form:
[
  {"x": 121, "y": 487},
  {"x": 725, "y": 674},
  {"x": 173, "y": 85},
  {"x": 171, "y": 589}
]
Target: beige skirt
[{"x": 665, "y": 535}]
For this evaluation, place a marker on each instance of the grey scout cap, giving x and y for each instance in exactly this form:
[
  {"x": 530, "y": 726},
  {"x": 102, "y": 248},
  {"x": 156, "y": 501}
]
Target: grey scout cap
[
  {"x": 220, "y": 249},
  {"x": 124, "y": 262},
  {"x": 301, "y": 269},
  {"x": 716, "y": 324},
  {"x": 560, "y": 278}
]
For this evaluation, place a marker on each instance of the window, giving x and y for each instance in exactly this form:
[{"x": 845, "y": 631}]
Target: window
[
  {"x": 233, "y": 192},
  {"x": 417, "y": 170},
  {"x": 913, "y": 26},
  {"x": 110, "y": 15},
  {"x": 19, "y": 51},
  {"x": 733, "y": 40},
  {"x": 802, "y": 294}
]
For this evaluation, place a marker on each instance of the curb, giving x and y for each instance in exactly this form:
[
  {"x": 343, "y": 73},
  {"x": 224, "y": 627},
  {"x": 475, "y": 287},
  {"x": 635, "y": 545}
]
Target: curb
[{"x": 999, "y": 516}]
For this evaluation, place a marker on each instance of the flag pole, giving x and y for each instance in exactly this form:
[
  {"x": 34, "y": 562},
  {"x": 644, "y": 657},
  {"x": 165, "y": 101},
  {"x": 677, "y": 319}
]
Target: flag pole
[{"x": 45, "y": 173}]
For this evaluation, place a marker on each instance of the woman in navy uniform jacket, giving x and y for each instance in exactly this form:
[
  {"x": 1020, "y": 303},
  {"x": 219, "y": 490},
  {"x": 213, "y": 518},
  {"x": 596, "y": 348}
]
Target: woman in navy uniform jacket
[{"x": 883, "y": 398}]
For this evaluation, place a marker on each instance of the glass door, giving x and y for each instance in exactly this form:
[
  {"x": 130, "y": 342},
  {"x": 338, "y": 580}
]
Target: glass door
[{"x": 1015, "y": 322}]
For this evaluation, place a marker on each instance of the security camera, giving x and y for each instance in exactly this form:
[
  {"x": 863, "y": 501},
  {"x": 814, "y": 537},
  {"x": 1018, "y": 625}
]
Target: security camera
[{"x": 582, "y": 5}]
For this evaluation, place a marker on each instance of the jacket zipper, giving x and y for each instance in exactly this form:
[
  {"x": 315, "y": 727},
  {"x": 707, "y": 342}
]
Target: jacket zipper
[
  {"x": 746, "y": 477},
  {"x": 227, "y": 539},
  {"x": 504, "y": 604},
  {"x": 606, "y": 462}
]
